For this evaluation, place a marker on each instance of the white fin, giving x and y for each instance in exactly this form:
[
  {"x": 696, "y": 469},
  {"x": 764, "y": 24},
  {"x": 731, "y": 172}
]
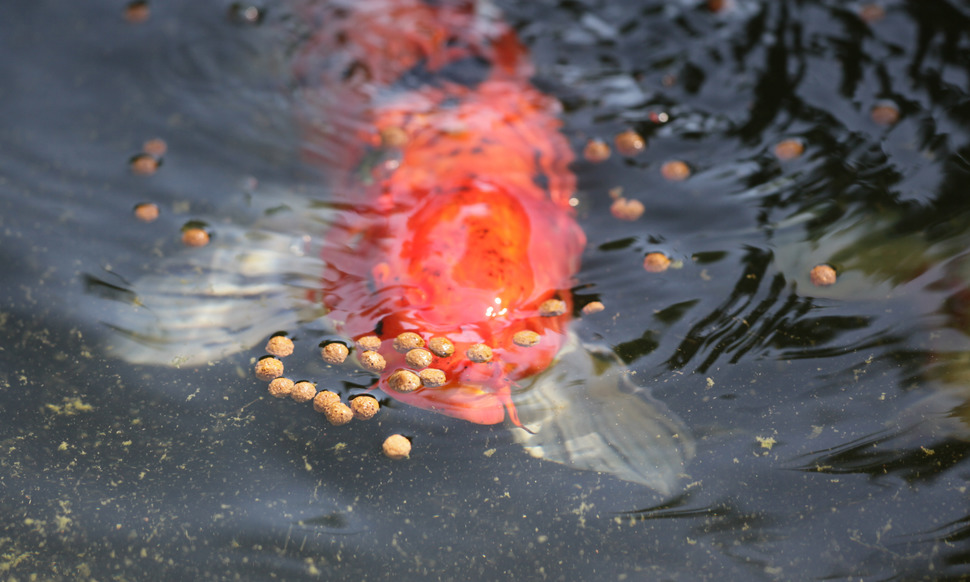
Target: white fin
[
  {"x": 206, "y": 303},
  {"x": 585, "y": 413}
]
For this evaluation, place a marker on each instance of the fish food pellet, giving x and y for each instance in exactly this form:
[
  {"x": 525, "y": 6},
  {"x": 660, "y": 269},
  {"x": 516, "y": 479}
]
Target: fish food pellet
[
  {"x": 432, "y": 377},
  {"x": 195, "y": 237},
  {"x": 408, "y": 341},
  {"x": 675, "y": 171},
  {"x": 280, "y": 387},
  {"x": 479, "y": 353},
  {"x": 268, "y": 369},
  {"x": 593, "y": 307},
  {"x": 789, "y": 149},
  {"x": 143, "y": 164},
  {"x": 155, "y": 147},
  {"x": 396, "y": 447},
  {"x": 418, "y": 358},
  {"x": 404, "y": 381},
  {"x": 629, "y": 143},
  {"x": 823, "y": 276},
  {"x": 596, "y": 151},
  {"x": 323, "y": 399},
  {"x": 137, "y": 11},
  {"x": 885, "y": 114},
  {"x": 369, "y": 342},
  {"x": 372, "y": 361},
  {"x": 526, "y": 338},
  {"x": 280, "y": 346},
  {"x": 303, "y": 391},
  {"x": 364, "y": 407},
  {"x": 552, "y": 308},
  {"x": 147, "y": 212},
  {"x": 626, "y": 209},
  {"x": 393, "y": 137},
  {"x": 656, "y": 262},
  {"x": 441, "y": 346},
  {"x": 338, "y": 414},
  {"x": 334, "y": 353}
]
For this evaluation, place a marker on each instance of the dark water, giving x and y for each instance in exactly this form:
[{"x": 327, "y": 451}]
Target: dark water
[{"x": 829, "y": 421}]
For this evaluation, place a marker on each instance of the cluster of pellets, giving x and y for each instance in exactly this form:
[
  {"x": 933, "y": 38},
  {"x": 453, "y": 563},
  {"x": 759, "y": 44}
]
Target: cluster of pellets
[{"x": 362, "y": 407}]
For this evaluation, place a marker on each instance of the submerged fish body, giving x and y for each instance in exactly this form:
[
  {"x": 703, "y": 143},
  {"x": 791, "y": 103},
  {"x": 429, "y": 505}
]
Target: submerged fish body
[
  {"x": 449, "y": 216},
  {"x": 466, "y": 228}
]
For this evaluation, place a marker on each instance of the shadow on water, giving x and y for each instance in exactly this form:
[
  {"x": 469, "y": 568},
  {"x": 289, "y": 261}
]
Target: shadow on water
[{"x": 831, "y": 422}]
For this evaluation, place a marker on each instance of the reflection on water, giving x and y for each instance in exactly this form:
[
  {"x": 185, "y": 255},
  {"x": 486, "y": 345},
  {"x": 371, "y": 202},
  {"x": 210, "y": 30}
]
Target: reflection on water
[{"x": 831, "y": 422}]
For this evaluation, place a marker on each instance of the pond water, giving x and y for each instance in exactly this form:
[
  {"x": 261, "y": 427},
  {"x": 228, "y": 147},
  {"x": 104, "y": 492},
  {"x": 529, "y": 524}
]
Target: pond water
[{"x": 831, "y": 422}]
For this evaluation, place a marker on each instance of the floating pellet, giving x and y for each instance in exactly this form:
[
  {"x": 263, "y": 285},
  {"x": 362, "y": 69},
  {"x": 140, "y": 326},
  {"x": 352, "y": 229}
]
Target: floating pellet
[
  {"x": 432, "y": 377},
  {"x": 526, "y": 338},
  {"x": 885, "y": 113},
  {"x": 147, "y": 212},
  {"x": 143, "y": 164},
  {"x": 369, "y": 342},
  {"x": 364, "y": 407},
  {"x": 195, "y": 237},
  {"x": 280, "y": 346},
  {"x": 396, "y": 447},
  {"x": 626, "y": 209},
  {"x": 323, "y": 399},
  {"x": 155, "y": 147},
  {"x": 280, "y": 387},
  {"x": 408, "y": 341},
  {"x": 441, "y": 346},
  {"x": 393, "y": 137},
  {"x": 593, "y": 307},
  {"x": 596, "y": 151},
  {"x": 479, "y": 353},
  {"x": 338, "y": 414},
  {"x": 630, "y": 143},
  {"x": 268, "y": 369},
  {"x": 418, "y": 358},
  {"x": 656, "y": 262},
  {"x": 404, "y": 381},
  {"x": 789, "y": 149},
  {"x": 334, "y": 353},
  {"x": 303, "y": 391},
  {"x": 675, "y": 170},
  {"x": 372, "y": 361},
  {"x": 552, "y": 308},
  {"x": 823, "y": 276}
]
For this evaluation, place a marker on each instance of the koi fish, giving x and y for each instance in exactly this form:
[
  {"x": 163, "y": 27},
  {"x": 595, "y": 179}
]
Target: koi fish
[{"x": 451, "y": 218}]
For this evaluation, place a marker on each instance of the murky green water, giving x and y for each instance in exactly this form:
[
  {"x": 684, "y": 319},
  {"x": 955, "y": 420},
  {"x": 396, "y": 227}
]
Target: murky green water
[{"x": 829, "y": 420}]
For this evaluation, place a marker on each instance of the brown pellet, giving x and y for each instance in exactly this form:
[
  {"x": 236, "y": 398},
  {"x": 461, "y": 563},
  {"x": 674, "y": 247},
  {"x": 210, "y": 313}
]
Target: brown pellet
[
  {"x": 155, "y": 147},
  {"x": 323, "y": 399},
  {"x": 441, "y": 346},
  {"x": 338, "y": 414},
  {"x": 147, "y": 212},
  {"x": 393, "y": 137},
  {"x": 195, "y": 237},
  {"x": 137, "y": 11},
  {"x": 303, "y": 391},
  {"x": 418, "y": 358},
  {"x": 372, "y": 361},
  {"x": 630, "y": 143},
  {"x": 404, "y": 381},
  {"x": 408, "y": 341},
  {"x": 626, "y": 209},
  {"x": 432, "y": 377},
  {"x": 593, "y": 307},
  {"x": 396, "y": 447},
  {"x": 596, "y": 151},
  {"x": 280, "y": 387},
  {"x": 364, "y": 407},
  {"x": 822, "y": 275},
  {"x": 675, "y": 171},
  {"x": 526, "y": 338},
  {"x": 656, "y": 262},
  {"x": 334, "y": 353},
  {"x": 885, "y": 113},
  {"x": 279, "y": 346},
  {"x": 552, "y": 308},
  {"x": 369, "y": 342},
  {"x": 479, "y": 353},
  {"x": 789, "y": 149},
  {"x": 268, "y": 369},
  {"x": 143, "y": 164}
]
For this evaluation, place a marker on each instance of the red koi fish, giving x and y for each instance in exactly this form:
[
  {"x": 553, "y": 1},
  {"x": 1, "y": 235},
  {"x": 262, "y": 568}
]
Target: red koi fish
[
  {"x": 463, "y": 227},
  {"x": 448, "y": 216}
]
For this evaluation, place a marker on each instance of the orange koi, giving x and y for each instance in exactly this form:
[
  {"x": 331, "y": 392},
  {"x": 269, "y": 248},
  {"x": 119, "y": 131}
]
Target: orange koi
[{"x": 462, "y": 227}]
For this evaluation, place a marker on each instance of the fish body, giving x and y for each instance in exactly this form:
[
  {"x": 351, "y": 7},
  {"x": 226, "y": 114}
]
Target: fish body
[{"x": 463, "y": 227}]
